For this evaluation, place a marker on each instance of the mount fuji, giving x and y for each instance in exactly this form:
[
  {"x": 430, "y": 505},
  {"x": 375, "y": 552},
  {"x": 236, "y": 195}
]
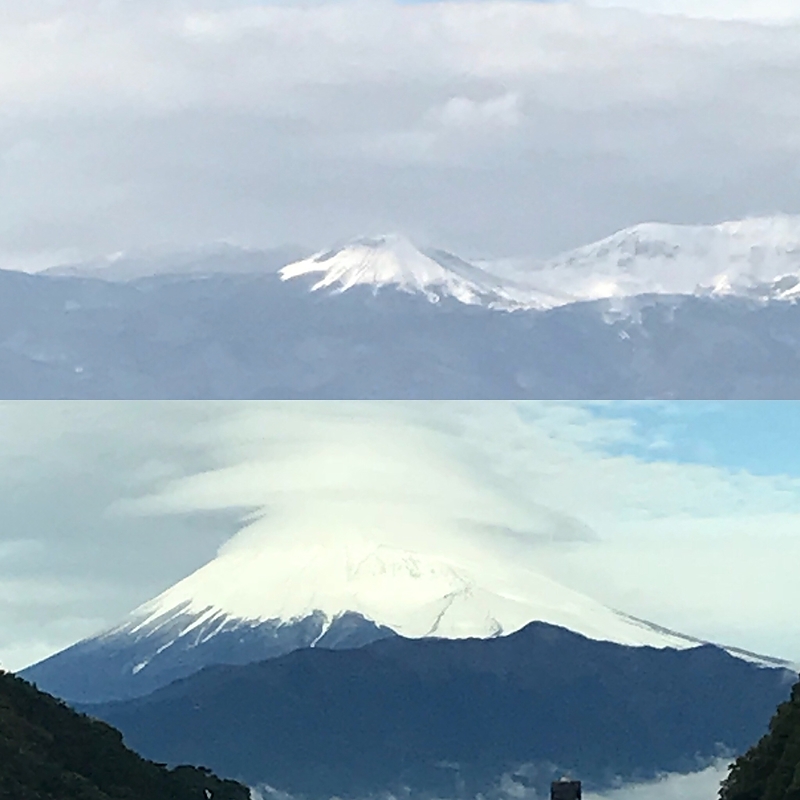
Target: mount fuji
[{"x": 253, "y": 603}]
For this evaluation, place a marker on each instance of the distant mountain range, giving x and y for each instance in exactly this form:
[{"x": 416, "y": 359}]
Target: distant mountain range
[
  {"x": 214, "y": 259},
  {"x": 656, "y": 311},
  {"x": 756, "y": 258},
  {"x": 497, "y": 718}
]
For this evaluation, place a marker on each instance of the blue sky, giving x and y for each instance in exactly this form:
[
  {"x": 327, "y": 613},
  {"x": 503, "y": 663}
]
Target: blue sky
[{"x": 762, "y": 438}]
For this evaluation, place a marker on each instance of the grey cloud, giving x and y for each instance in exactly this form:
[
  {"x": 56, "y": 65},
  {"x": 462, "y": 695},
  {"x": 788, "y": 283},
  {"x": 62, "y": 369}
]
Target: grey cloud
[
  {"x": 68, "y": 564},
  {"x": 553, "y": 527},
  {"x": 488, "y": 128}
]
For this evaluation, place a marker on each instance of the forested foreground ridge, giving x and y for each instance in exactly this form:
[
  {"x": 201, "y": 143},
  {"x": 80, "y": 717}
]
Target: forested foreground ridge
[
  {"x": 770, "y": 770},
  {"x": 50, "y": 752}
]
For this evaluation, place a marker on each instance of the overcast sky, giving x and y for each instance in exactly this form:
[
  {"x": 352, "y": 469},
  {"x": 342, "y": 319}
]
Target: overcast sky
[
  {"x": 685, "y": 514},
  {"x": 488, "y": 127}
]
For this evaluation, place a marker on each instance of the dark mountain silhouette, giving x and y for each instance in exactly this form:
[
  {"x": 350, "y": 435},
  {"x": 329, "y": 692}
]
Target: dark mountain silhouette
[
  {"x": 452, "y": 718},
  {"x": 49, "y": 752}
]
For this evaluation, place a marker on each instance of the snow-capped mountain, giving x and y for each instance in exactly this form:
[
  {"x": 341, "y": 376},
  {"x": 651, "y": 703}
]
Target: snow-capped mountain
[
  {"x": 258, "y": 602},
  {"x": 756, "y": 258},
  {"x": 393, "y": 261},
  {"x": 413, "y": 594}
]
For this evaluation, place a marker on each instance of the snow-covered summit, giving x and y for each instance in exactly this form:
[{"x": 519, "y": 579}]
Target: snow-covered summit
[
  {"x": 757, "y": 258},
  {"x": 413, "y": 594},
  {"x": 392, "y": 260}
]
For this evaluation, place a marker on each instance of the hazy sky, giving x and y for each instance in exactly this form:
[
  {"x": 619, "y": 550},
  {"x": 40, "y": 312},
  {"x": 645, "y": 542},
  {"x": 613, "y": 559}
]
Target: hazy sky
[
  {"x": 686, "y": 514},
  {"x": 488, "y": 127}
]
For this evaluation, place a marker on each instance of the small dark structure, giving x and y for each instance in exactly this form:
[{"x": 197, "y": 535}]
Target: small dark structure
[{"x": 565, "y": 789}]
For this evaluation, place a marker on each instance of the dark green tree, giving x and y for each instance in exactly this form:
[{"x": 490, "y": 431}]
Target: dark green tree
[
  {"x": 770, "y": 770},
  {"x": 50, "y": 752}
]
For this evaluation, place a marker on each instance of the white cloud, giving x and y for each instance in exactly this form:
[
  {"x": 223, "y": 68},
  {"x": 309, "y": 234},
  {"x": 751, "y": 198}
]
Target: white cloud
[
  {"x": 502, "y": 111},
  {"x": 702, "y": 785},
  {"x": 770, "y": 11},
  {"x": 485, "y": 126}
]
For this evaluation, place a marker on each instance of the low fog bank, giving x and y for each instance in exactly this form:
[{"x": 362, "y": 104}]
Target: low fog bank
[{"x": 701, "y": 785}]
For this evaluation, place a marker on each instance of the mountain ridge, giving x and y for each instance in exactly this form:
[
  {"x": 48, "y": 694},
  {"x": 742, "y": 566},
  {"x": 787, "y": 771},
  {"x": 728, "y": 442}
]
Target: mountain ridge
[
  {"x": 506, "y": 714},
  {"x": 756, "y": 258},
  {"x": 247, "y": 337}
]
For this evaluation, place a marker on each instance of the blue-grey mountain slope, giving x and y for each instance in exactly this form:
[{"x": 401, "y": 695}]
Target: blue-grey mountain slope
[{"x": 256, "y": 337}]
